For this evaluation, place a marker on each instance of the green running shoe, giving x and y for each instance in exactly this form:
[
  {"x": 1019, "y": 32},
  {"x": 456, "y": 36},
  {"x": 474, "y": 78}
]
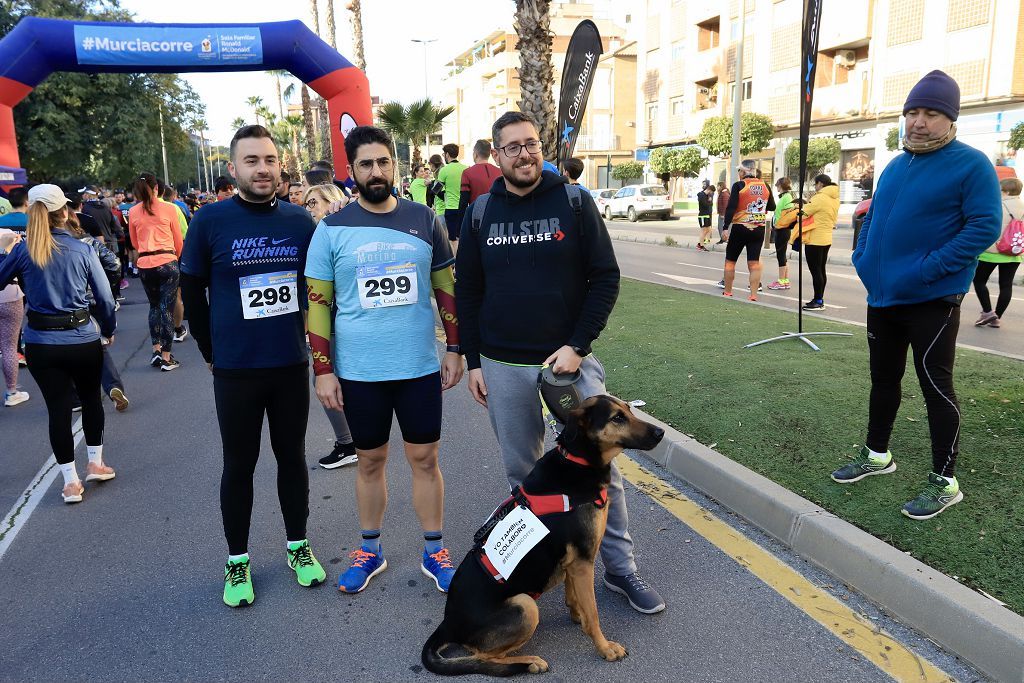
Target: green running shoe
[
  {"x": 238, "y": 584},
  {"x": 862, "y": 467},
  {"x": 308, "y": 571},
  {"x": 936, "y": 497}
]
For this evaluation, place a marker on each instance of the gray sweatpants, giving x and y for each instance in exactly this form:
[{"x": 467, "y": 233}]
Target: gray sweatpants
[{"x": 516, "y": 417}]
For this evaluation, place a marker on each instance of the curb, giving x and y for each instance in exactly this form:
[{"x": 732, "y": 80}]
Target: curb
[
  {"x": 685, "y": 243},
  {"x": 959, "y": 619}
]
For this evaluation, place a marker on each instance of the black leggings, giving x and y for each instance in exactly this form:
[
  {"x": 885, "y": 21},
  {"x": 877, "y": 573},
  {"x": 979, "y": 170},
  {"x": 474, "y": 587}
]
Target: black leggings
[
  {"x": 981, "y": 276},
  {"x": 782, "y": 236},
  {"x": 161, "y": 285},
  {"x": 242, "y": 400},
  {"x": 930, "y": 329},
  {"x": 817, "y": 257},
  {"x": 60, "y": 370}
]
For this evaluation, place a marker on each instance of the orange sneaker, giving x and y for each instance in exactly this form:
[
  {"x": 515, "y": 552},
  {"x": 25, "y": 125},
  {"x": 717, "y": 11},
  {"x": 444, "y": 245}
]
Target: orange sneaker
[
  {"x": 98, "y": 472},
  {"x": 72, "y": 492}
]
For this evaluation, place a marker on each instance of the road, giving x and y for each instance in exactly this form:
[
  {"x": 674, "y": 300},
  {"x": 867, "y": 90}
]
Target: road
[
  {"x": 127, "y": 585},
  {"x": 688, "y": 268}
]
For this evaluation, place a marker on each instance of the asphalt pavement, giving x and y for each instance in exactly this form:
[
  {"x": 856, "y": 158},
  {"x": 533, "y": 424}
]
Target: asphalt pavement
[
  {"x": 643, "y": 255},
  {"x": 126, "y": 586}
]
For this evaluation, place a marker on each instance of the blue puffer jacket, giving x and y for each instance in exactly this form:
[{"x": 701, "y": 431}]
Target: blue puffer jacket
[
  {"x": 62, "y": 287},
  {"x": 931, "y": 216}
]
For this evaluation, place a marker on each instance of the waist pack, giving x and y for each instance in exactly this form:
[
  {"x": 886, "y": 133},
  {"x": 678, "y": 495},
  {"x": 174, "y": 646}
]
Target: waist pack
[
  {"x": 44, "y": 322},
  {"x": 1011, "y": 242}
]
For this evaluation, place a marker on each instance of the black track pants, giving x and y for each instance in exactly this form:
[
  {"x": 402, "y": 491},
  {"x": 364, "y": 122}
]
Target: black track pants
[
  {"x": 930, "y": 329},
  {"x": 282, "y": 394}
]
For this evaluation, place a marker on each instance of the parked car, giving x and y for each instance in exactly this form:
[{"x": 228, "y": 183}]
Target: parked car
[
  {"x": 602, "y": 197},
  {"x": 859, "y": 212},
  {"x": 640, "y": 201}
]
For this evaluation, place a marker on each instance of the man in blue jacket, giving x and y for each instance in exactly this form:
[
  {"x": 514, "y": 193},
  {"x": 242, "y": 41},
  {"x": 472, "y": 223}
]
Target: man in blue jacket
[{"x": 936, "y": 208}]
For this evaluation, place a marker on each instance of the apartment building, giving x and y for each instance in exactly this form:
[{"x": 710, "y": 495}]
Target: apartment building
[
  {"x": 482, "y": 82},
  {"x": 870, "y": 53}
]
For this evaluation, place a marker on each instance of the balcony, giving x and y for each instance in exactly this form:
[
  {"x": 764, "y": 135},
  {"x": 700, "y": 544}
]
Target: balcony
[
  {"x": 704, "y": 65},
  {"x": 849, "y": 28},
  {"x": 838, "y": 101},
  {"x": 597, "y": 143}
]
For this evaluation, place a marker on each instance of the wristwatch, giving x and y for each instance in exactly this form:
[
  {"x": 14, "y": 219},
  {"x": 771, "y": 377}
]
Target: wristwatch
[
  {"x": 580, "y": 351},
  {"x": 453, "y": 348}
]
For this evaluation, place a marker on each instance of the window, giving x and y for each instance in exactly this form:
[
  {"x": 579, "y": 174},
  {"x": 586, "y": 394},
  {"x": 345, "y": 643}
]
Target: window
[
  {"x": 748, "y": 88},
  {"x": 734, "y": 28},
  {"x": 652, "y": 111},
  {"x": 709, "y": 34},
  {"x": 706, "y": 94},
  {"x": 676, "y": 106},
  {"x": 678, "y": 50},
  {"x": 653, "y": 191}
]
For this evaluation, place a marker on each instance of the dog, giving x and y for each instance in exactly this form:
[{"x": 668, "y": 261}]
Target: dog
[{"x": 490, "y": 618}]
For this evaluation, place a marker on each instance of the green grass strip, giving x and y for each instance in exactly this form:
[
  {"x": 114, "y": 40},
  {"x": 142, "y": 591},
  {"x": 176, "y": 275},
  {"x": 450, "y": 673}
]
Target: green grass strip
[{"x": 794, "y": 415}]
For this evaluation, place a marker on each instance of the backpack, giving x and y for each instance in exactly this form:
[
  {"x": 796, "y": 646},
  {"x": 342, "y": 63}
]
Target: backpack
[
  {"x": 1011, "y": 242},
  {"x": 572, "y": 192}
]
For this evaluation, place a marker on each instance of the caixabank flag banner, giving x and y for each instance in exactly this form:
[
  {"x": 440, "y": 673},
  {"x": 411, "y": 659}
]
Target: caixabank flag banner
[
  {"x": 808, "y": 69},
  {"x": 577, "y": 76}
]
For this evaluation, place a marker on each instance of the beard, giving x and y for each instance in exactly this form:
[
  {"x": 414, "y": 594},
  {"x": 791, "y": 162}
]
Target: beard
[
  {"x": 518, "y": 181},
  {"x": 248, "y": 191},
  {"x": 376, "y": 191}
]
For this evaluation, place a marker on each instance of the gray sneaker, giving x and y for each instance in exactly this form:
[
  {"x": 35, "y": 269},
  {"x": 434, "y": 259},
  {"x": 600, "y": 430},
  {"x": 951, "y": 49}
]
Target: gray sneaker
[
  {"x": 642, "y": 597},
  {"x": 863, "y": 467}
]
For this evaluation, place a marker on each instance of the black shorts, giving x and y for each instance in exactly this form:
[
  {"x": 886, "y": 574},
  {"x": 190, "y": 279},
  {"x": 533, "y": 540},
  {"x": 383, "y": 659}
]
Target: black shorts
[
  {"x": 741, "y": 237},
  {"x": 370, "y": 405},
  {"x": 453, "y": 221},
  {"x": 704, "y": 221}
]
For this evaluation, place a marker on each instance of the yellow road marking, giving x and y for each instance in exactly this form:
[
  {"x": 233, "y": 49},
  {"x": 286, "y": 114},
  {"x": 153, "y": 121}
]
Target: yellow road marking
[{"x": 874, "y": 644}]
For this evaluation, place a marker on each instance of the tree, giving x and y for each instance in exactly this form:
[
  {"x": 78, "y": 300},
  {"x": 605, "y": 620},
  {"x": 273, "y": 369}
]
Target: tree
[
  {"x": 256, "y": 102},
  {"x": 331, "y": 28},
  {"x": 628, "y": 170},
  {"x": 414, "y": 123},
  {"x": 892, "y": 139},
  {"x": 756, "y": 132},
  {"x": 307, "y": 121},
  {"x": 356, "y": 8},
  {"x": 1016, "y": 140},
  {"x": 820, "y": 153},
  {"x": 536, "y": 74},
  {"x": 237, "y": 122},
  {"x": 686, "y": 162},
  {"x": 278, "y": 74}
]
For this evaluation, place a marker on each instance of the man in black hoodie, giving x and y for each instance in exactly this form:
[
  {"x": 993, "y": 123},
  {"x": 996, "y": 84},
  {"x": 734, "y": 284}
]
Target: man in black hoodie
[{"x": 537, "y": 280}]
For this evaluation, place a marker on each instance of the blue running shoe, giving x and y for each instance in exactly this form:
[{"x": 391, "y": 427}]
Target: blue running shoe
[
  {"x": 365, "y": 565},
  {"x": 438, "y": 566}
]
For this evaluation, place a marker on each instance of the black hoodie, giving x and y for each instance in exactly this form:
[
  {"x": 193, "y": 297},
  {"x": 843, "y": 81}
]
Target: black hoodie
[{"x": 535, "y": 278}]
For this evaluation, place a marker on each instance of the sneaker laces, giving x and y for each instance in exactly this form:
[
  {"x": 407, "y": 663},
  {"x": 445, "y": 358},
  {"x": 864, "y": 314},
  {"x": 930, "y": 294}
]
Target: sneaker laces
[
  {"x": 301, "y": 556},
  {"x": 236, "y": 572},
  {"x": 932, "y": 491},
  {"x": 361, "y": 557},
  {"x": 637, "y": 582},
  {"x": 442, "y": 559}
]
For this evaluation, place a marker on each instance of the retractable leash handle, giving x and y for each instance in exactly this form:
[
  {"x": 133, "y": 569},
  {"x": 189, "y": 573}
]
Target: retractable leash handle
[{"x": 558, "y": 396}]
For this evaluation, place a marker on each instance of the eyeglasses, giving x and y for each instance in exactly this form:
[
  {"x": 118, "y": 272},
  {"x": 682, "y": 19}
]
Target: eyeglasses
[
  {"x": 366, "y": 165},
  {"x": 310, "y": 203},
  {"x": 515, "y": 149}
]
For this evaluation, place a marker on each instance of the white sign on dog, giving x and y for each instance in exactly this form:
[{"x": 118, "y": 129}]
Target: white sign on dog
[{"x": 512, "y": 538}]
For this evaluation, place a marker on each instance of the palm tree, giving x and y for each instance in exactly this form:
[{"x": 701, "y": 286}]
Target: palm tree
[
  {"x": 330, "y": 24},
  {"x": 414, "y": 123},
  {"x": 256, "y": 102},
  {"x": 307, "y": 119},
  {"x": 268, "y": 116},
  {"x": 315, "y": 13},
  {"x": 356, "y": 8},
  {"x": 295, "y": 129},
  {"x": 536, "y": 75},
  {"x": 278, "y": 74},
  {"x": 237, "y": 123}
]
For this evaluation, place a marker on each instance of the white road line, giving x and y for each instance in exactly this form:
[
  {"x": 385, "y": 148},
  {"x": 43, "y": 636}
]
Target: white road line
[
  {"x": 831, "y": 274},
  {"x": 30, "y": 497},
  {"x": 698, "y": 281}
]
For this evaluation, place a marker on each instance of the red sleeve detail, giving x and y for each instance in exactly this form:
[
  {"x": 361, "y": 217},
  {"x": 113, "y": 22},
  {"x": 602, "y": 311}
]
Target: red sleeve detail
[
  {"x": 321, "y": 354},
  {"x": 449, "y": 317}
]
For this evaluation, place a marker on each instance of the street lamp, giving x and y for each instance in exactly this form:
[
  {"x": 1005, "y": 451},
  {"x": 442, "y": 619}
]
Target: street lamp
[{"x": 424, "y": 42}]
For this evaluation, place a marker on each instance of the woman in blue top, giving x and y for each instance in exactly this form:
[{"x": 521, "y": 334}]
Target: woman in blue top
[{"x": 61, "y": 345}]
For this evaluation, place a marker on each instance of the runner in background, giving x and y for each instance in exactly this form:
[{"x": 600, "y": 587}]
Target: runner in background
[
  {"x": 450, "y": 175},
  {"x": 477, "y": 179}
]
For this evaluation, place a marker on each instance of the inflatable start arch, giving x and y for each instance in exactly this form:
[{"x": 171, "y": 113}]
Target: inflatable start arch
[{"x": 36, "y": 47}]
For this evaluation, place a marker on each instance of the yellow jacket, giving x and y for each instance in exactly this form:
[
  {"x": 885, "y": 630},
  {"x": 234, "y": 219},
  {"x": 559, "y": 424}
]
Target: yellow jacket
[{"x": 824, "y": 206}]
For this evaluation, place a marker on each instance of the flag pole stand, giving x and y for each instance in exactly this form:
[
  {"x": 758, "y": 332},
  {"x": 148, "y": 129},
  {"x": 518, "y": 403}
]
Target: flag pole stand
[{"x": 809, "y": 65}]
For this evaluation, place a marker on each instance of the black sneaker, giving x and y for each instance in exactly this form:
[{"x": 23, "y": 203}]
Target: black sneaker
[
  {"x": 180, "y": 333},
  {"x": 343, "y": 454},
  {"x": 168, "y": 365},
  {"x": 814, "y": 305},
  {"x": 157, "y": 360},
  {"x": 642, "y": 597}
]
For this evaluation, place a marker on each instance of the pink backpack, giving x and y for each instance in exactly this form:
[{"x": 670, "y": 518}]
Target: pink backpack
[{"x": 1011, "y": 243}]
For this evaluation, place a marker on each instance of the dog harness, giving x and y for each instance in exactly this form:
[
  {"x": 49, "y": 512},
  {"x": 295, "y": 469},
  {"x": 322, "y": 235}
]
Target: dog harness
[{"x": 542, "y": 505}]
